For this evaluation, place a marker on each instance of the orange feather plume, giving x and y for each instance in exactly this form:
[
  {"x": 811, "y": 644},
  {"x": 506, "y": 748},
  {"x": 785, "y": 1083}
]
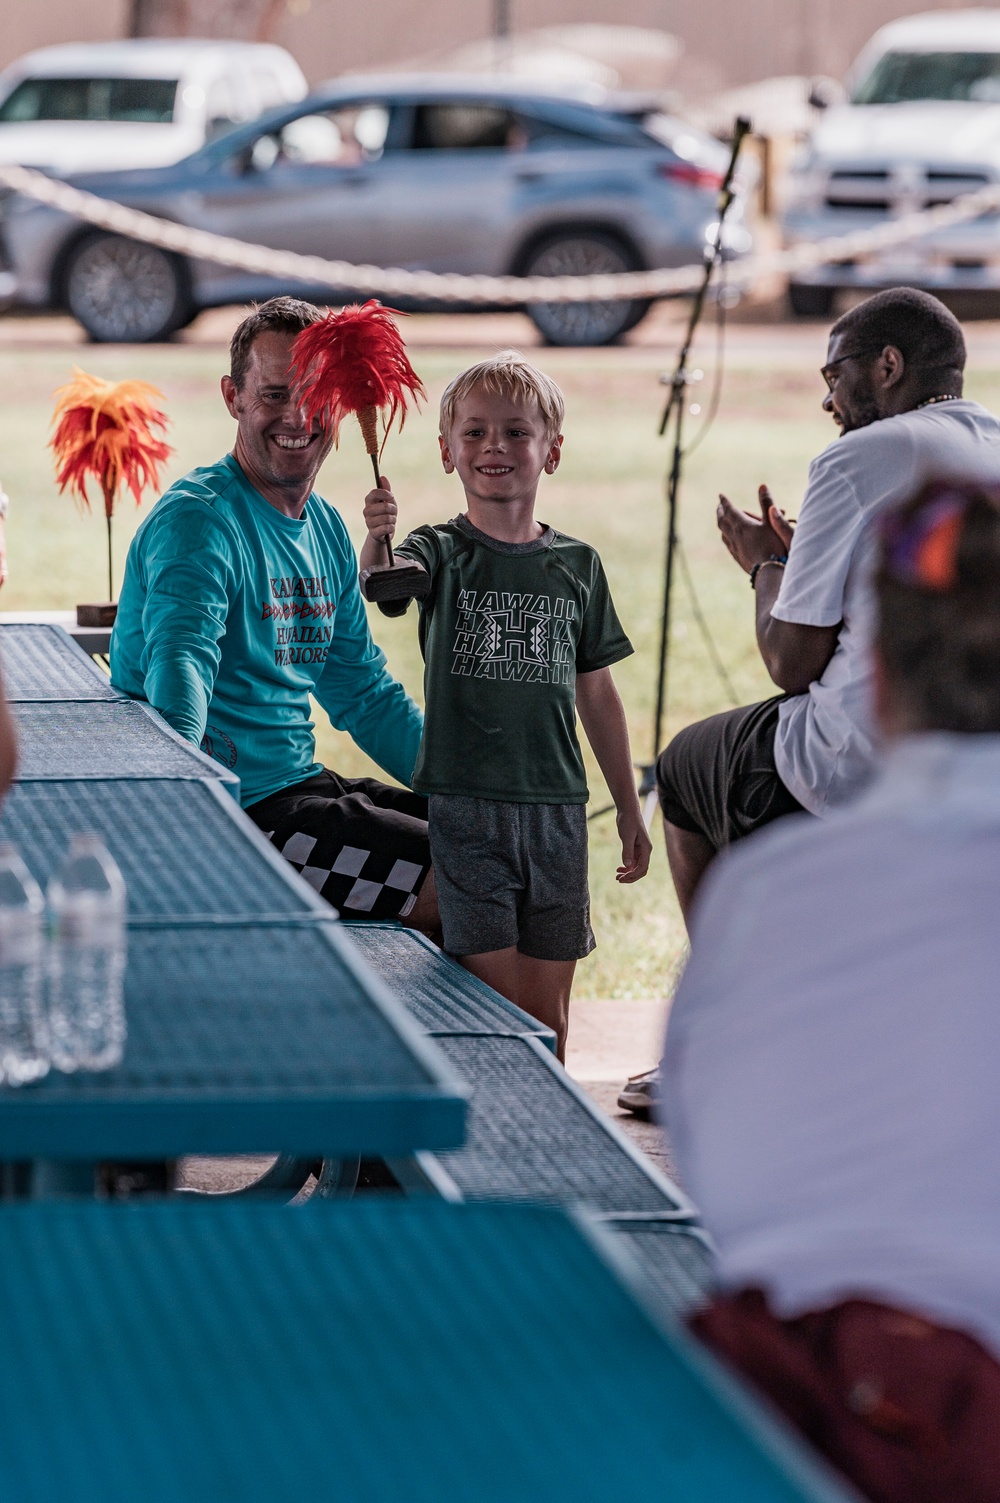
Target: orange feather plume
[
  {"x": 355, "y": 361},
  {"x": 104, "y": 432}
]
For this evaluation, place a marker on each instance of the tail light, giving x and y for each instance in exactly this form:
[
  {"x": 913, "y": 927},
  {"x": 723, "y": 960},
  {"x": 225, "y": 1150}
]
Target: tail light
[{"x": 690, "y": 174}]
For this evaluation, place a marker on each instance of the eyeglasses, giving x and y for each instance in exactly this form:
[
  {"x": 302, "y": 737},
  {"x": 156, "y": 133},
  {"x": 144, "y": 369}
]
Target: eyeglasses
[{"x": 828, "y": 371}]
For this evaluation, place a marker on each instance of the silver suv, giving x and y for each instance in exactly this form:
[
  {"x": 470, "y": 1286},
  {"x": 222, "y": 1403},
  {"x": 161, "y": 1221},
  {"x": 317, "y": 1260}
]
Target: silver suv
[{"x": 426, "y": 174}]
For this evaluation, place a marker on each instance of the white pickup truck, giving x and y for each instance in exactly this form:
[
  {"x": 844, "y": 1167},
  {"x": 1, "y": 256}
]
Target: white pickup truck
[{"x": 920, "y": 125}]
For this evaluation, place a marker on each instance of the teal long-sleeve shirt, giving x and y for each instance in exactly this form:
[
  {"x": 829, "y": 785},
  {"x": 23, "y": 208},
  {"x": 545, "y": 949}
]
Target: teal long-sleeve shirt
[{"x": 232, "y": 614}]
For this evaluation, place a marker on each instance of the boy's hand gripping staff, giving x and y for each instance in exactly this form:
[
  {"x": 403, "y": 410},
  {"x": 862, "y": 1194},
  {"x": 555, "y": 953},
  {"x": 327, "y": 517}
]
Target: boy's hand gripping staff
[
  {"x": 104, "y": 432},
  {"x": 355, "y": 361}
]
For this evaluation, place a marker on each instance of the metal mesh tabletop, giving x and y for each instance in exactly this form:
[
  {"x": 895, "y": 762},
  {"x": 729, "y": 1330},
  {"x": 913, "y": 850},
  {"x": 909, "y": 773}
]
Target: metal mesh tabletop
[
  {"x": 245, "y": 1040},
  {"x": 533, "y": 1135},
  {"x": 676, "y": 1260},
  {"x": 438, "y": 993},
  {"x": 185, "y": 848},
  {"x": 411, "y": 1352},
  {"x": 43, "y": 662},
  {"x": 110, "y": 739}
]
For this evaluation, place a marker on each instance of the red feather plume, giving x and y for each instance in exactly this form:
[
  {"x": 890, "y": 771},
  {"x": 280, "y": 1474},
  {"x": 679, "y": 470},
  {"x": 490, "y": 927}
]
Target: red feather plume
[
  {"x": 355, "y": 361},
  {"x": 104, "y": 432}
]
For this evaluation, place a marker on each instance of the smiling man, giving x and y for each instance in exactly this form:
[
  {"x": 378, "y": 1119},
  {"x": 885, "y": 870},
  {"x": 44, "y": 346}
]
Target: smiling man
[
  {"x": 240, "y": 604},
  {"x": 894, "y": 388}
]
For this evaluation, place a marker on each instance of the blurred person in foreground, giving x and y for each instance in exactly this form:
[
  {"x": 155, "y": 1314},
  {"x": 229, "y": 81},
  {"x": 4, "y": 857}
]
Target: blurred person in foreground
[
  {"x": 240, "y": 605},
  {"x": 830, "y": 1073},
  {"x": 894, "y": 376}
]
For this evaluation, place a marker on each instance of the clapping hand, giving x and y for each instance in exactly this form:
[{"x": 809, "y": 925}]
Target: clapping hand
[{"x": 752, "y": 539}]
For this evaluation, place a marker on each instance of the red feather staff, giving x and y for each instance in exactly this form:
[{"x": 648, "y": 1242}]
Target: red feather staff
[
  {"x": 104, "y": 432},
  {"x": 355, "y": 361}
]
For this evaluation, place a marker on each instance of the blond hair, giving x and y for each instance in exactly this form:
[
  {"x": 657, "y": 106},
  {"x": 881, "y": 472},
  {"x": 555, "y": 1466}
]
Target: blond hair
[{"x": 507, "y": 374}]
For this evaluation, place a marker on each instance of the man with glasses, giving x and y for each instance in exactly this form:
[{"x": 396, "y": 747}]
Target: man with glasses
[{"x": 894, "y": 377}]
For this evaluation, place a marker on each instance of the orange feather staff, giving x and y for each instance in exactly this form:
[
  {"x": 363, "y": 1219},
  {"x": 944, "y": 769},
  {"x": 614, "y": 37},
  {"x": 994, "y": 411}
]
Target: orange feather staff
[
  {"x": 104, "y": 432},
  {"x": 355, "y": 362}
]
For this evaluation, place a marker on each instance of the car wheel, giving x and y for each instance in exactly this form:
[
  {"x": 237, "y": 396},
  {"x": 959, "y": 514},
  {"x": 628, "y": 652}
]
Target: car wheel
[
  {"x": 583, "y": 253},
  {"x": 125, "y": 292},
  {"x": 811, "y": 302}
]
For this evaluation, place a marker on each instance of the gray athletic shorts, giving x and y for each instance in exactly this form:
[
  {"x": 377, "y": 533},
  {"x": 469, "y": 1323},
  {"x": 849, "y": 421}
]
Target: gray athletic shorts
[{"x": 511, "y": 874}]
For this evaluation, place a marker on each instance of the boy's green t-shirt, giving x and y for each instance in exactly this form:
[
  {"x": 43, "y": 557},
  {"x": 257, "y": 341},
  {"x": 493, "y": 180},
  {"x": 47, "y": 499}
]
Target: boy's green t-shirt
[{"x": 504, "y": 632}]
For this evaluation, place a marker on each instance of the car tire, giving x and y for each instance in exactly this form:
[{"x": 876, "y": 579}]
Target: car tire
[
  {"x": 125, "y": 292},
  {"x": 574, "y": 254},
  {"x": 811, "y": 302}
]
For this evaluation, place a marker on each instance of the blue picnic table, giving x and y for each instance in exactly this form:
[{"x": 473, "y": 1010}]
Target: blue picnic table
[
  {"x": 44, "y": 663},
  {"x": 113, "y": 738},
  {"x": 243, "y": 1039},
  {"x": 413, "y": 1352},
  {"x": 185, "y": 848}
]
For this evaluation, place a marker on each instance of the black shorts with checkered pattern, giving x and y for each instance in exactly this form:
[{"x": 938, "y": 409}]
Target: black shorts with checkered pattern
[{"x": 360, "y": 843}]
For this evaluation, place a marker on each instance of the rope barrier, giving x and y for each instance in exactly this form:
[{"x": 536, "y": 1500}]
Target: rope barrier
[{"x": 450, "y": 287}]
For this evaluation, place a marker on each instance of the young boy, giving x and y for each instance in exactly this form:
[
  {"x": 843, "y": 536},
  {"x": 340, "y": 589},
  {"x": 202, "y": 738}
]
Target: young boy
[{"x": 517, "y": 632}]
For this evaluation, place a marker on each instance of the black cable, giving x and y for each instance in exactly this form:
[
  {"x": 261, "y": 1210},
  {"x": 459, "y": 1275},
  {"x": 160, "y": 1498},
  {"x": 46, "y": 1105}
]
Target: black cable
[{"x": 703, "y": 626}]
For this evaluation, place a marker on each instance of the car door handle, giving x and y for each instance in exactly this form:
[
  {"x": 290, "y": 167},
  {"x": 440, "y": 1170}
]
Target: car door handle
[{"x": 530, "y": 177}]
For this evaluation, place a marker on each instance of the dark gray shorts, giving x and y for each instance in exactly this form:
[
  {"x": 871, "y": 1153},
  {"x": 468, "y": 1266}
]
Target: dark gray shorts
[
  {"x": 717, "y": 778},
  {"x": 511, "y": 874}
]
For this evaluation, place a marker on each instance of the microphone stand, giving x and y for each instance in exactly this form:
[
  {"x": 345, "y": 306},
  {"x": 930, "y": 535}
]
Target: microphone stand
[
  {"x": 678, "y": 384},
  {"x": 674, "y": 409}
]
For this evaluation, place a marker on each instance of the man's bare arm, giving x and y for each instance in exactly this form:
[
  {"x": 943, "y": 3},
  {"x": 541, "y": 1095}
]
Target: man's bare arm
[{"x": 794, "y": 655}]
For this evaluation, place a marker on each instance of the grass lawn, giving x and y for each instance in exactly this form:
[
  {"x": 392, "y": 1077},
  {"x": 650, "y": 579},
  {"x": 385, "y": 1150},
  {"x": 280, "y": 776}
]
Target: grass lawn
[{"x": 609, "y": 490}]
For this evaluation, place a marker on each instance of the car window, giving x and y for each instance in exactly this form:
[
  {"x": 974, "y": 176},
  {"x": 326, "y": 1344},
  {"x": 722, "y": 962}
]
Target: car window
[
  {"x": 465, "y": 127},
  {"x": 142, "y": 100},
  {"x": 899, "y": 77},
  {"x": 477, "y": 126},
  {"x": 343, "y": 137}
]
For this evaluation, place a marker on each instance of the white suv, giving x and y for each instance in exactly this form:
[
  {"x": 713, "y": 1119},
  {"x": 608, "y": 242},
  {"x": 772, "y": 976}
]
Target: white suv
[
  {"x": 101, "y": 106},
  {"x": 921, "y": 125}
]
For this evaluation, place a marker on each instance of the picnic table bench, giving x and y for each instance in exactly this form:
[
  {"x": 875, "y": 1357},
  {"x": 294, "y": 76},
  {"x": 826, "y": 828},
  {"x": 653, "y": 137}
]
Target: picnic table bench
[
  {"x": 412, "y": 1351},
  {"x": 436, "y": 991},
  {"x": 533, "y": 1134}
]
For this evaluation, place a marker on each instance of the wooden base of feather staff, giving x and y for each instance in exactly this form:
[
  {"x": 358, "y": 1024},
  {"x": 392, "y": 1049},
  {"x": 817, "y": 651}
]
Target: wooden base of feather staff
[
  {"x": 101, "y": 614},
  {"x": 390, "y": 586}
]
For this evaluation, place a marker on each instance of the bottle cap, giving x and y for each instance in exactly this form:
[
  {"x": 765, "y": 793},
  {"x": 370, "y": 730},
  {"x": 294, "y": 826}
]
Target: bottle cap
[{"x": 84, "y": 842}]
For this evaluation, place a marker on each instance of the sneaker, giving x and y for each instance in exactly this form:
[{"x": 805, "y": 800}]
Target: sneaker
[{"x": 641, "y": 1094}]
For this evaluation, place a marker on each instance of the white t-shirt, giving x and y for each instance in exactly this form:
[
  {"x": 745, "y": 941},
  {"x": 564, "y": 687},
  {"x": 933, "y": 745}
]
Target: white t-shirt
[
  {"x": 830, "y": 1077},
  {"x": 823, "y": 747}
]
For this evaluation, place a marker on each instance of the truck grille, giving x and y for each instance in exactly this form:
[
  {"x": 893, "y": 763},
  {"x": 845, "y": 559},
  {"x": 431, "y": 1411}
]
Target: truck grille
[{"x": 879, "y": 190}]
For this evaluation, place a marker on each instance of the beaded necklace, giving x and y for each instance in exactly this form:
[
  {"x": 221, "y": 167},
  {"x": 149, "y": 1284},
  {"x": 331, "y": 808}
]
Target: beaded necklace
[{"x": 932, "y": 400}]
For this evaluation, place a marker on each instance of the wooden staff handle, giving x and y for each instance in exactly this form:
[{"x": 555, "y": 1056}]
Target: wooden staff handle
[{"x": 368, "y": 418}]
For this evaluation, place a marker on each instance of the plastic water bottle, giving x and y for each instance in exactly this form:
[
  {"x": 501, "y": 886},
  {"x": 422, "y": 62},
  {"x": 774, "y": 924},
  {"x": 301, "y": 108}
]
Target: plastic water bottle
[
  {"x": 86, "y": 1008},
  {"x": 23, "y": 1045}
]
